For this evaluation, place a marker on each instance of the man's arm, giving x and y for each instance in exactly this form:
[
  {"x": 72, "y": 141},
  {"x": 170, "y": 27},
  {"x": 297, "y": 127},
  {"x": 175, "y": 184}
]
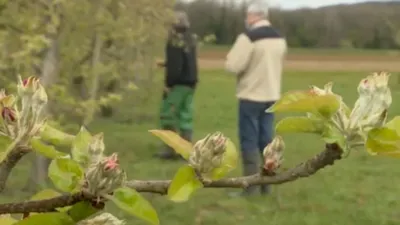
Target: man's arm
[
  {"x": 174, "y": 60},
  {"x": 239, "y": 56}
]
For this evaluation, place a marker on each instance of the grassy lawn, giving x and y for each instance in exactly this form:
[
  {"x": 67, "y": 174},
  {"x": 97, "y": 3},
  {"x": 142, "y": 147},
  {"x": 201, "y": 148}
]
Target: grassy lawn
[{"x": 359, "y": 190}]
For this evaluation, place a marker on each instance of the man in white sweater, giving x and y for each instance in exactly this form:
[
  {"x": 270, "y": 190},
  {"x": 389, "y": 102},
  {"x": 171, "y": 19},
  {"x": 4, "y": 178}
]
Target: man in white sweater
[{"x": 256, "y": 59}]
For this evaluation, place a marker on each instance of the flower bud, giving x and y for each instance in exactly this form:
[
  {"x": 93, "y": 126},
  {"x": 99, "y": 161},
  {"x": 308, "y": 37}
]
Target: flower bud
[
  {"x": 103, "y": 219},
  {"x": 104, "y": 176},
  {"x": 111, "y": 163},
  {"x": 8, "y": 114},
  {"x": 208, "y": 153},
  {"x": 273, "y": 154},
  {"x": 28, "y": 86}
]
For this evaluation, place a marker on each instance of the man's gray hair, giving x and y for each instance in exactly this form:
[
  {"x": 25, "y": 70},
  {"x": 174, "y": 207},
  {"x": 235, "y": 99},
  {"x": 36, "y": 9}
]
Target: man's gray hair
[
  {"x": 258, "y": 8},
  {"x": 181, "y": 19}
]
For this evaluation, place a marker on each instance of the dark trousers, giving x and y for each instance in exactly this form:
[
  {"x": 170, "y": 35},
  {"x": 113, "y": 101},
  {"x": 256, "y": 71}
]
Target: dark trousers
[{"x": 256, "y": 130}]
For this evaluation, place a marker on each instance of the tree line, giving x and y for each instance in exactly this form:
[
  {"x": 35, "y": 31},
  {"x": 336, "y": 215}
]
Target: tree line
[{"x": 373, "y": 25}]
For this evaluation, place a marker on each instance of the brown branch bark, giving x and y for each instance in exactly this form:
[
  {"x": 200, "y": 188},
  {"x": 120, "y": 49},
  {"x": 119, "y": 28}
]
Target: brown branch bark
[
  {"x": 328, "y": 157},
  {"x": 41, "y": 206},
  {"x": 9, "y": 163},
  {"x": 331, "y": 153}
]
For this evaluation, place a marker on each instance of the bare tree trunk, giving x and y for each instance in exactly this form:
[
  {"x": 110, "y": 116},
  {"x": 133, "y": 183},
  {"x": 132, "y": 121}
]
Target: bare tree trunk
[
  {"x": 49, "y": 75},
  {"x": 94, "y": 86}
]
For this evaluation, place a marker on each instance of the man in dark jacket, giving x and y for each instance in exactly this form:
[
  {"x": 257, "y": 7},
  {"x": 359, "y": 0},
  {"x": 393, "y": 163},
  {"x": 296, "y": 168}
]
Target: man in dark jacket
[{"x": 180, "y": 82}]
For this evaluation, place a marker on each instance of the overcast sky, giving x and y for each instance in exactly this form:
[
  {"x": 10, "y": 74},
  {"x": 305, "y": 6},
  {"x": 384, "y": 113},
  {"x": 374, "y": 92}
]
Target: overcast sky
[{"x": 290, "y": 4}]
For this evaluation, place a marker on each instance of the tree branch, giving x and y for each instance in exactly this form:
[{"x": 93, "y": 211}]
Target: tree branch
[
  {"x": 331, "y": 153},
  {"x": 9, "y": 163},
  {"x": 41, "y": 206},
  {"x": 328, "y": 157}
]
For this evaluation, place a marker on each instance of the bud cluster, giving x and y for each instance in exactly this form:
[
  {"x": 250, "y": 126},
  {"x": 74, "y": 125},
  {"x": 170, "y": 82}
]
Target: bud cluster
[
  {"x": 104, "y": 176},
  {"x": 103, "y": 219},
  {"x": 273, "y": 155},
  {"x": 369, "y": 111},
  {"x": 208, "y": 154},
  {"x": 23, "y": 116}
]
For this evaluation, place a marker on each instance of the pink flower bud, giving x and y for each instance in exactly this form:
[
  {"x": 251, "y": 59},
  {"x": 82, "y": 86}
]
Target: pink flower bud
[
  {"x": 8, "y": 114},
  {"x": 111, "y": 162},
  {"x": 273, "y": 155}
]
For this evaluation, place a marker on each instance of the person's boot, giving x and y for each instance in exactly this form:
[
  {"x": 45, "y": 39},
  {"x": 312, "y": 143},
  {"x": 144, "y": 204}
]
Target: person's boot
[
  {"x": 251, "y": 166},
  {"x": 265, "y": 189},
  {"x": 167, "y": 153}
]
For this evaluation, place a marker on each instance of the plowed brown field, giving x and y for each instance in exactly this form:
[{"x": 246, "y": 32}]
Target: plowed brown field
[{"x": 210, "y": 59}]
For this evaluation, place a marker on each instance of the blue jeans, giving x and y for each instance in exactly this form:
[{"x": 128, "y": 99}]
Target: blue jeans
[
  {"x": 256, "y": 130},
  {"x": 256, "y": 127}
]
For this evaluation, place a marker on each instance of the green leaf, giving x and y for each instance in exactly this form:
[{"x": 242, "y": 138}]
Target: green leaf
[
  {"x": 56, "y": 137},
  {"x": 133, "y": 203},
  {"x": 304, "y": 101},
  {"x": 80, "y": 146},
  {"x": 54, "y": 218},
  {"x": 394, "y": 124},
  {"x": 383, "y": 141},
  {"x": 185, "y": 182},
  {"x": 172, "y": 139},
  {"x": 5, "y": 142},
  {"x": 7, "y": 220},
  {"x": 229, "y": 161},
  {"x": 332, "y": 135},
  {"x": 46, "y": 150},
  {"x": 65, "y": 174},
  {"x": 81, "y": 211},
  {"x": 299, "y": 125},
  {"x": 45, "y": 194}
]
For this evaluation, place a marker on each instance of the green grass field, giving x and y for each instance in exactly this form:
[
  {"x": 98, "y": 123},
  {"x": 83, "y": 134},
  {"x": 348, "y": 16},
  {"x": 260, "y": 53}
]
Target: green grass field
[{"x": 358, "y": 190}]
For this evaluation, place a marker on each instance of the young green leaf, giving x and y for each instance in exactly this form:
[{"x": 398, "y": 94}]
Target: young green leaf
[
  {"x": 7, "y": 220},
  {"x": 299, "y": 125},
  {"x": 332, "y": 135},
  {"x": 81, "y": 211},
  {"x": 80, "y": 146},
  {"x": 53, "y": 218},
  {"x": 185, "y": 182},
  {"x": 133, "y": 203},
  {"x": 229, "y": 161},
  {"x": 383, "y": 141},
  {"x": 56, "y": 137},
  {"x": 394, "y": 124},
  {"x": 172, "y": 139},
  {"x": 65, "y": 174},
  {"x": 45, "y": 150},
  {"x": 304, "y": 101}
]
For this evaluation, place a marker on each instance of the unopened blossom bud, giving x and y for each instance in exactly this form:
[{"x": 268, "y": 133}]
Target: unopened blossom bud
[
  {"x": 111, "y": 163},
  {"x": 28, "y": 86},
  {"x": 104, "y": 176},
  {"x": 103, "y": 219},
  {"x": 208, "y": 153},
  {"x": 273, "y": 154},
  {"x": 374, "y": 99},
  {"x": 8, "y": 114}
]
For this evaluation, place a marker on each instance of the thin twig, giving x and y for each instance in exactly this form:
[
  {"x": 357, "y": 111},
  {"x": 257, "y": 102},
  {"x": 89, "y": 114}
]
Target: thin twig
[{"x": 9, "y": 163}]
